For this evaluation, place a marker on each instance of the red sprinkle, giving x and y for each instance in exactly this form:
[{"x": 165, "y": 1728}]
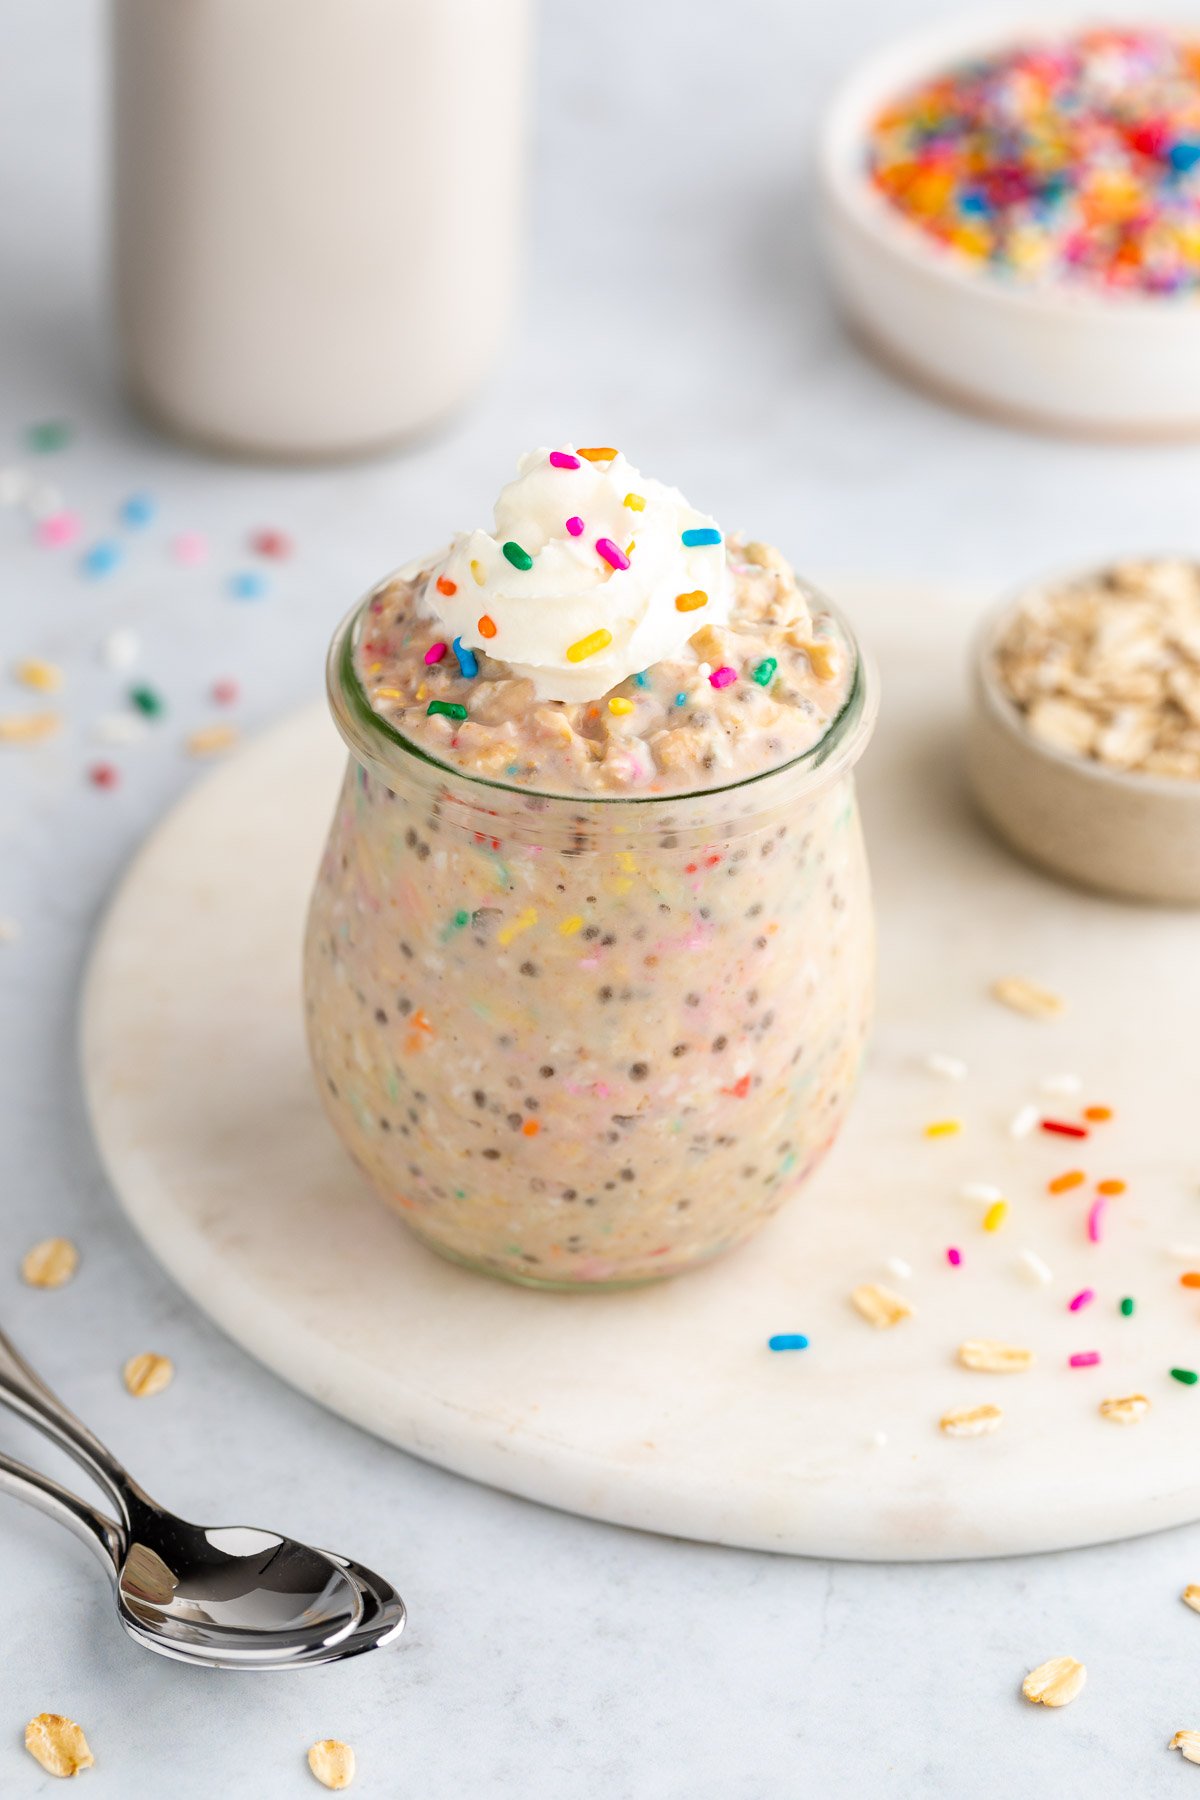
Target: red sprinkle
[
  {"x": 954, "y": 1257},
  {"x": 1062, "y": 1130},
  {"x": 226, "y": 691},
  {"x": 446, "y": 586},
  {"x": 575, "y": 526},
  {"x": 103, "y": 775},
  {"x": 1084, "y": 1359},
  {"x": 435, "y": 653},
  {"x": 271, "y": 543},
  {"x": 1083, "y": 1298},
  {"x": 562, "y": 459}
]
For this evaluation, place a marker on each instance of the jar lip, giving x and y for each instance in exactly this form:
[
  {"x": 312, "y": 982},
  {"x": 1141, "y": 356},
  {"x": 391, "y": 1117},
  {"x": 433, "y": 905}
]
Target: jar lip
[{"x": 365, "y": 731}]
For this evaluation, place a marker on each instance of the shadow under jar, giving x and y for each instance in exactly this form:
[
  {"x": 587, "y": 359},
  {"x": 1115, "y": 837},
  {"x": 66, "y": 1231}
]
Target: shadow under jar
[{"x": 585, "y": 1042}]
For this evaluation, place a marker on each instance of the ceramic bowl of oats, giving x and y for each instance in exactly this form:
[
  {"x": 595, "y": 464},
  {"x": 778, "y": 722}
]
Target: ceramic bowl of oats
[{"x": 1083, "y": 744}]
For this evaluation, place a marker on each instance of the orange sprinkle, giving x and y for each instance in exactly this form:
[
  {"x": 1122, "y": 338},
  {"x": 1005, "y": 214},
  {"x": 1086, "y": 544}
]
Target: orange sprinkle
[
  {"x": 531, "y": 1128},
  {"x": 1110, "y": 1187},
  {"x": 1190, "y": 1279},
  {"x": 1098, "y": 1113},
  {"x": 602, "y": 454},
  {"x": 487, "y": 626},
  {"x": 691, "y": 602},
  {"x": 446, "y": 586},
  {"x": 1062, "y": 1183}
]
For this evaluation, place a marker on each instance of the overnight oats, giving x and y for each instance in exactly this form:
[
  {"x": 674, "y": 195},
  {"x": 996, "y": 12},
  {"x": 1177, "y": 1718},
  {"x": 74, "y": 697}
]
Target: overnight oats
[{"x": 590, "y": 956}]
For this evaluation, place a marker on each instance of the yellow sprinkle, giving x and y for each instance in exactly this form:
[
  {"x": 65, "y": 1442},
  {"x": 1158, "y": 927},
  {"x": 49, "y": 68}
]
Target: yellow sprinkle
[
  {"x": 374, "y": 668},
  {"x": 691, "y": 602},
  {"x": 521, "y": 923},
  {"x": 620, "y": 884},
  {"x": 587, "y": 646},
  {"x": 995, "y": 1215},
  {"x": 478, "y": 572},
  {"x": 28, "y": 728},
  {"x": 570, "y": 926},
  {"x": 631, "y": 546},
  {"x": 619, "y": 705},
  {"x": 635, "y": 503},
  {"x": 625, "y": 861},
  {"x": 211, "y": 740},
  {"x": 388, "y": 694},
  {"x": 943, "y": 1128},
  {"x": 46, "y": 677},
  {"x": 421, "y": 691}
]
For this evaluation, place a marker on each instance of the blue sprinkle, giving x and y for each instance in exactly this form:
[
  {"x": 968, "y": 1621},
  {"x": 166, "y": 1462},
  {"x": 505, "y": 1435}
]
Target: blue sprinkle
[
  {"x": 701, "y": 534},
  {"x": 248, "y": 584},
  {"x": 1184, "y": 155},
  {"x": 467, "y": 665},
  {"x": 681, "y": 699},
  {"x": 102, "y": 558},
  {"x": 138, "y": 510},
  {"x": 642, "y": 680},
  {"x": 788, "y": 1340}
]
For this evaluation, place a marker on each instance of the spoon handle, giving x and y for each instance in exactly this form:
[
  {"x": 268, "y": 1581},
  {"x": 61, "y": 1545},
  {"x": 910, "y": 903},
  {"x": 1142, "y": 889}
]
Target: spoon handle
[
  {"x": 58, "y": 1503},
  {"x": 28, "y": 1396}
]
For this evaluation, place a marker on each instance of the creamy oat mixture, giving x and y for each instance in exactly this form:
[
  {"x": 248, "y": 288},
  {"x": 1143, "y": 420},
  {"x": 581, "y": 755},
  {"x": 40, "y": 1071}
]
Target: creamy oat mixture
[
  {"x": 1107, "y": 666},
  {"x": 718, "y": 664}
]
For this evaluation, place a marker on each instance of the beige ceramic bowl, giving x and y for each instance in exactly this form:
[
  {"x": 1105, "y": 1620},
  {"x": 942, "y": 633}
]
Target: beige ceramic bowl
[{"x": 1133, "y": 835}]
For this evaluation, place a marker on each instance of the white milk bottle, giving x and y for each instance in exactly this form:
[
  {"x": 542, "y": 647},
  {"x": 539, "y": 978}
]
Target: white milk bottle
[{"x": 318, "y": 213}]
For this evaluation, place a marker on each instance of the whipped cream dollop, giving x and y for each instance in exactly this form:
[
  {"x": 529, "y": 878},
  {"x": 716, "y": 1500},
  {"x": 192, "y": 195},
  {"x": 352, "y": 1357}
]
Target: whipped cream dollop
[{"x": 593, "y": 573}]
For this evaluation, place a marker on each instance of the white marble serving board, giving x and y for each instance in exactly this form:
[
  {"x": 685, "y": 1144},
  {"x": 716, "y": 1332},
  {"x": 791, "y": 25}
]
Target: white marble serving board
[{"x": 664, "y": 1408}]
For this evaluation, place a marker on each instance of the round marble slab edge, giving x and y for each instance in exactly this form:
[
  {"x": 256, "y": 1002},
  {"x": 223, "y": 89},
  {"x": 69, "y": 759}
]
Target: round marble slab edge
[{"x": 663, "y": 1409}]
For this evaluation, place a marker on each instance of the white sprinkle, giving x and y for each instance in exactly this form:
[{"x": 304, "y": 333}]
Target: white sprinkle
[
  {"x": 10, "y": 931},
  {"x": 705, "y": 670},
  {"x": 983, "y": 1191},
  {"x": 43, "y": 501},
  {"x": 897, "y": 1266},
  {"x": 1061, "y": 1084},
  {"x": 14, "y": 485},
  {"x": 953, "y": 1068},
  {"x": 1035, "y": 1268},
  {"x": 1188, "y": 1253},
  {"x": 121, "y": 648},
  {"x": 119, "y": 728},
  {"x": 879, "y": 1440},
  {"x": 1023, "y": 1122}
]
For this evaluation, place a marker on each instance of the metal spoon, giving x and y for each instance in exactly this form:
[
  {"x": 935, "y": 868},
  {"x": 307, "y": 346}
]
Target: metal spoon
[
  {"x": 383, "y": 1615},
  {"x": 229, "y": 1596}
]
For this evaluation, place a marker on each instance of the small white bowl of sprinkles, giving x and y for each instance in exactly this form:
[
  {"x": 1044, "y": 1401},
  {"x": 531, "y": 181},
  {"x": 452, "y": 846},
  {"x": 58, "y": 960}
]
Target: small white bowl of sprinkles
[
  {"x": 1011, "y": 213},
  {"x": 1083, "y": 742}
]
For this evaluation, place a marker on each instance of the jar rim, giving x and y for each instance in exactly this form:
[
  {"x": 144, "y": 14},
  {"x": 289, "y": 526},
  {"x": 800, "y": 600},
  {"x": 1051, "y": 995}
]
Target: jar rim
[{"x": 373, "y": 739}]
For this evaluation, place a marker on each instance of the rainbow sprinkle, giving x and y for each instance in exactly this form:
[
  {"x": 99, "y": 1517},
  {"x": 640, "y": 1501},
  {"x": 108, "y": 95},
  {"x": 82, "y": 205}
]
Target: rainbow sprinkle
[
  {"x": 468, "y": 667},
  {"x": 1083, "y": 1298},
  {"x": 562, "y": 459},
  {"x": 788, "y": 1340},
  {"x": 1188, "y": 1377},
  {"x": 700, "y": 534},
  {"x": 587, "y": 646},
  {"x": 954, "y": 1257},
  {"x": 435, "y": 653},
  {"x": 764, "y": 674},
  {"x": 1127, "y": 1306},
  {"x": 1095, "y": 1220},
  {"x": 612, "y": 553},
  {"x": 575, "y": 525},
  {"x": 723, "y": 677},
  {"x": 1084, "y": 1359},
  {"x": 520, "y": 559},
  {"x": 691, "y": 602},
  {"x": 449, "y": 709}
]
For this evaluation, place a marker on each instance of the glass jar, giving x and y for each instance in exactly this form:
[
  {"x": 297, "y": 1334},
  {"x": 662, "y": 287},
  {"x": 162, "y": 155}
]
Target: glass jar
[{"x": 587, "y": 1042}]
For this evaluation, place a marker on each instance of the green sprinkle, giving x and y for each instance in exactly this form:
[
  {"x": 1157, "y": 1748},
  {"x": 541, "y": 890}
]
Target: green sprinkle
[
  {"x": 765, "y": 672},
  {"x": 49, "y": 435},
  {"x": 147, "y": 701},
  {"x": 520, "y": 559},
  {"x": 1188, "y": 1377},
  {"x": 1127, "y": 1308},
  {"x": 461, "y": 919},
  {"x": 449, "y": 709}
]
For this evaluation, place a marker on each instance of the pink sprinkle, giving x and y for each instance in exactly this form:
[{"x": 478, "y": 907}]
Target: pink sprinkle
[
  {"x": 1084, "y": 1297},
  {"x": 575, "y": 526},
  {"x": 1084, "y": 1359},
  {"x": 612, "y": 553},
  {"x": 435, "y": 653},
  {"x": 103, "y": 775},
  {"x": 226, "y": 691},
  {"x": 954, "y": 1257},
  {"x": 722, "y": 677},
  {"x": 190, "y": 547},
  {"x": 1096, "y": 1219},
  {"x": 59, "y": 528},
  {"x": 561, "y": 459}
]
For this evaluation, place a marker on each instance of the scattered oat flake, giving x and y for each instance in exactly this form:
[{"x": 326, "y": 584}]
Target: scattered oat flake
[
  {"x": 1191, "y": 1596},
  {"x": 43, "y": 677},
  {"x": 879, "y": 1306},
  {"x": 28, "y": 728},
  {"x": 971, "y": 1421},
  {"x": 1128, "y": 1409},
  {"x": 1027, "y": 997},
  {"x": 1037, "y": 1269},
  {"x": 50, "y": 1264},
  {"x": 147, "y": 1374},
  {"x": 953, "y": 1068},
  {"x": 1055, "y": 1683},
  {"x": 211, "y": 740},
  {"x": 58, "y": 1744},
  {"x": 332, "y": 1762},
  {"x": 992, "y": 1358},
  {"x": 1188, "y": 1742}
]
